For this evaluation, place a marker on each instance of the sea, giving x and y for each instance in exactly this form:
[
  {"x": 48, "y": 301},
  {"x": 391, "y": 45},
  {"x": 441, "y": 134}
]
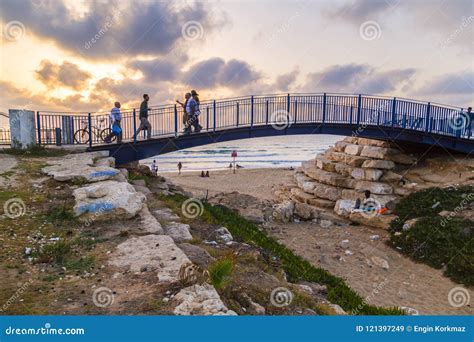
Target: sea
[{"x": 268, "y": 152}]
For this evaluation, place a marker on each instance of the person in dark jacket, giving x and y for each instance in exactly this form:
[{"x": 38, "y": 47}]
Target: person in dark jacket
[
  {"x": 193, "y": 111},
  {"x": 144, "y": 123}
]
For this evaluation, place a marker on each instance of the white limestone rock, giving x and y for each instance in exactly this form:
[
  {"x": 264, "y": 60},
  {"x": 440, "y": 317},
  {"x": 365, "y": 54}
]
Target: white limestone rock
[
  {"x": 344, "y": 207},
  {"x": 178, "y": 231},
  {"x": 155, "y": 253},
  {"x": 200, "y": 300},
  {"x": 107, "y": 199}
]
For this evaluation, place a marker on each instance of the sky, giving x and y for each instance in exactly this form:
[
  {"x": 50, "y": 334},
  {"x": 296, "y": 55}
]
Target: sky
[{"x": 83, "y": 55}]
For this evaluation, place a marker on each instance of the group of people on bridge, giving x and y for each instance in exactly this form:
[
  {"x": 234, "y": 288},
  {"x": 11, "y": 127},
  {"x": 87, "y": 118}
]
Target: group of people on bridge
[{"x": 191, "y": 114}]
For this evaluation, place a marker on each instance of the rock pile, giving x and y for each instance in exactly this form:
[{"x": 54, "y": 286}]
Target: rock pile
[{"x": 335, "y": 179}]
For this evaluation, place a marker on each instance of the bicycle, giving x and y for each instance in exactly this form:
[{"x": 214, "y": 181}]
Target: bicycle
[{"x": 82, "y": 136}]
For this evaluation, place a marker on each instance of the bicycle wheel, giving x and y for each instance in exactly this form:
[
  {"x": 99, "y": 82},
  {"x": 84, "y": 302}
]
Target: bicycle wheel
[
  {"x": 105, "y": 132},
  {"x": 81, "y": 136}
]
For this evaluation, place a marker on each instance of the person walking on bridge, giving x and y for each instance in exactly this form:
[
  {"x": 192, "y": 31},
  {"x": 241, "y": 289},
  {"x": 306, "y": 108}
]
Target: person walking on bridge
[
  {"x": 193, "y": 111},
  {"x": 115, "y": 118},
  {"x": 187, "y": 127},
  {"x": 144, "y": 123}
]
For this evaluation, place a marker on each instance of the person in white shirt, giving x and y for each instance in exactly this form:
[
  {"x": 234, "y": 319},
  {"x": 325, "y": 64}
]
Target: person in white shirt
[{"x": 115, "y": 118}]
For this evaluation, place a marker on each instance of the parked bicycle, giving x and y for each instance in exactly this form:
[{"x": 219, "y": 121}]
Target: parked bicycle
[{"x": 82, "y": 136}]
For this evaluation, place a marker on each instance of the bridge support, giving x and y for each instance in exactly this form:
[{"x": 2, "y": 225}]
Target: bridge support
[{"x": 22, "y": 128}]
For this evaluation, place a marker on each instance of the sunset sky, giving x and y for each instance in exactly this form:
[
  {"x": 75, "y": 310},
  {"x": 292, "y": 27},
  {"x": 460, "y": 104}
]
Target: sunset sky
[{"x": 84, "y": 55}]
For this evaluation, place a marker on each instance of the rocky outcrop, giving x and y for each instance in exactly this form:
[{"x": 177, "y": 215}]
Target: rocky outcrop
[
  {"x": 150, "y": 253},
  {"x": 200, "y": 300},
  {"x": 338, "y": 177},
  {"x": 107, "y": 199}
]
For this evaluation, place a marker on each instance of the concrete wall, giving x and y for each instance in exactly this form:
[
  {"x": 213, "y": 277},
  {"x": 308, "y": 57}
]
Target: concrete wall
[{"x": 22, "y": 128}]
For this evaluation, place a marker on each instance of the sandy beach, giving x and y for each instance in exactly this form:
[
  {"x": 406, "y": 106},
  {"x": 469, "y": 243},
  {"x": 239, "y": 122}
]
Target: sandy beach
[{"x": 253, "y": 182}]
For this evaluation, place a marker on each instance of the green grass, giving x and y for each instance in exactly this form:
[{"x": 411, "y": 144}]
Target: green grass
[
  {"x": 54, "y": 253},
  {"x": 35, "y": 151},
  {"x": 60, "y": 214},
  {"x": 220, "y": 272},
  {"x": 297, "y": 268},
  {"x": 440, "y": 242},
  {"x": 82, "y": 265}
]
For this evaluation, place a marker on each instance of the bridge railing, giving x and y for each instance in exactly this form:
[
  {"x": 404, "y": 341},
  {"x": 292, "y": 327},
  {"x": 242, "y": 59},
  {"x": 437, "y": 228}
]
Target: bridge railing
[
  {"x": 324, "y": 108},
  {"x": 5, "y": 136}
]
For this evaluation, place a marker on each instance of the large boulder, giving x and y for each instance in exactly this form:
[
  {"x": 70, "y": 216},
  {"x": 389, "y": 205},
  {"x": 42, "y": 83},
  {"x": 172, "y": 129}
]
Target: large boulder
[
  {"x": 376, "y": 220},
  {"x": 150, "y": 253},
  {"x": 344, "y": 207},
  {"x": 106, "y": 200},
  {"x": 366, "y": 174},
  {"x": 148, "y": 223},
  {"x": 284, "y": 211},
  {"x": 200, "y": 300},
  {"x": 178, "y": 231},
  {"x": 377, "y": 152},
  {"x": 328, "y": 192},
  {"x": 353, "y": 150},
  {"x": 324, "y": 164},
  {"x": 326, "y": 177},
  {"x": 373, "y": 142}
]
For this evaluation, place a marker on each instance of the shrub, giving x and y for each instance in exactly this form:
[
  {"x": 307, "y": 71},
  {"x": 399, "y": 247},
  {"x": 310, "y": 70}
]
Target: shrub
[
  {"x": 55, "y": 252},
  {"x": 60, "y": 214},
  {"x": 220, "y": 272}
]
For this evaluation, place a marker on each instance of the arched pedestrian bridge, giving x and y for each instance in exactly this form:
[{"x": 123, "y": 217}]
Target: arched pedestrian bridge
[{"x": 377, "y": 117}]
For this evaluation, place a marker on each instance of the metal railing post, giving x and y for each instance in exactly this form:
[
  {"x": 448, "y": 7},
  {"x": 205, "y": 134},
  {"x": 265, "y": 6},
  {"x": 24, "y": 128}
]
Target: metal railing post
[
  {"x": 175, "y": 121},
  {"x": 324, "y": 107},
  {"x": 38, "y": 127},
  {"x": 288, "y": 104},
  {"x": 266, "y": 112},
  {"x": 207, "y": 118},
  {"x": 251, "y": 111},
  {"x": 237, "y": 119},
  {"x": 296, "y": 110},
  {"x": 394, "y": 106},
  {"x": 350, "y": 117},
  {"x": 428, "y": 112},
  {"x": 89, "y": 123},
  {"x": 214, "y": 114},
  {"x": 134, "y": 126},
  {"x": 359, "y": 108}
]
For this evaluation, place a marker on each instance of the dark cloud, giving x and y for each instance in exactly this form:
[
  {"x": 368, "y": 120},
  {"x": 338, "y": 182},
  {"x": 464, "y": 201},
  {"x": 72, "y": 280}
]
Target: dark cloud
[
  {"x": 285, "y": 81},
  {"x": 215, "y": 72},
  {"x": 66, "y": 74},
  {"x": 357, "y": 78},
  {"x": 110, "y": 29},
  {"x": 359, "y": 11}
]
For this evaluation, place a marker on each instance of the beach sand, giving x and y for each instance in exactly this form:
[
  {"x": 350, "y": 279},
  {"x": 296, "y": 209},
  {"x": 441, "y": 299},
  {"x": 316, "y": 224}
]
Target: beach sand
[{"x": 253, "y": 182}]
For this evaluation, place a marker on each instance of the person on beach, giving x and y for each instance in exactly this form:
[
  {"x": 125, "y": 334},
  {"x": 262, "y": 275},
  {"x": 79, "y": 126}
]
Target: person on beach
[
  {"x": 154, "y": 167},
  {"x": 144, "y": 123},
  {"x": 187, "y": 127},
  {"x": 115, "y": 118},
  {"x": 207, "y": 174},
  {"x": 202, "y": 174},
  {"x": 180, "y": 166}
]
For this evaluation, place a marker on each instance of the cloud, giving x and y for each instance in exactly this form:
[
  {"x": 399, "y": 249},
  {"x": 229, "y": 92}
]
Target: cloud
[
  {"x": 358, "y": 11},
  {"x": 357, "y": 78},
  {"x": 215, "y": 72},
  {"x": 111, "y": 29},
  {"x": 285, "y": 81},
  {"x": 66, "y": 74},
  {"x": 457, "y": 83}
]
